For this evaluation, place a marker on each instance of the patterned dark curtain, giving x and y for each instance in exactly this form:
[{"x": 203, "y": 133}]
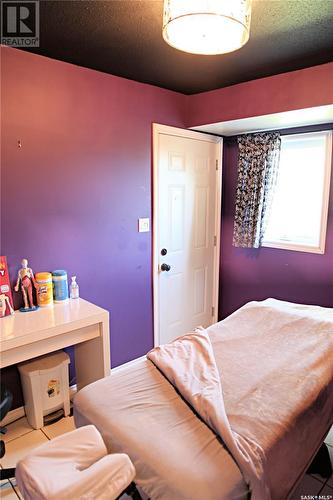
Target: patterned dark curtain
[{"x": 258, "y": 163}]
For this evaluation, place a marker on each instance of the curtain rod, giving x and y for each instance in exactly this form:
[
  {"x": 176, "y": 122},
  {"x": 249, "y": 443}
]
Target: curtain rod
[{"x": 287, "y": 131}]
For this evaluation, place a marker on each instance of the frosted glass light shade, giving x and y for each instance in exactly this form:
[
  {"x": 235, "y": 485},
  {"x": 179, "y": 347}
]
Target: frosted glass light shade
[{"x": 206, "y": 26}]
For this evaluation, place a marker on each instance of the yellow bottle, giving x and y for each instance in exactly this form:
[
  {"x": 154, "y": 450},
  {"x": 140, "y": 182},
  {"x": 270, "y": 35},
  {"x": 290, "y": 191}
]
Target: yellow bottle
[{"x": 44, "y": 289}]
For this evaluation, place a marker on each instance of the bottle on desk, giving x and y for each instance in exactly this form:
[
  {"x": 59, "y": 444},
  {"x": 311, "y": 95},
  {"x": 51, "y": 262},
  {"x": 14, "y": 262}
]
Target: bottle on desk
[
  {"x": 60, "y": 285},
  {"x": 44, "y": 289},
  {"x": 74, "y": 289}
]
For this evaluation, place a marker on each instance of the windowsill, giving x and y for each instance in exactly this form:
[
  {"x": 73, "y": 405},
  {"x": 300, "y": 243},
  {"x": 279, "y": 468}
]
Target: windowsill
[{"x": 294, "y": 247}]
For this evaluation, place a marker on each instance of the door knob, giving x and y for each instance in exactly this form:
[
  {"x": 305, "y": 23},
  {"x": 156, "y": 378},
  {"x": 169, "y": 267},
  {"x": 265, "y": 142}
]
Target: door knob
[{"x": 165, "y": 267}]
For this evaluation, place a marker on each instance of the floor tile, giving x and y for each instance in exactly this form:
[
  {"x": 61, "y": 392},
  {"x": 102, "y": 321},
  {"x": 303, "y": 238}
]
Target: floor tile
[
  {"x": 327, "y": 492},
  {"x": 308, "y": 486},
  {"x": 16, "y": 488},
  {"x": 18, "y": 448},
  {"x": 319, "y": 478},
  {"x": 7, "y": 492},
  {"x": 64, "y": 425},
  {"x": 330, "y": 482},
  {"x": 329, "y": 437},
  {"x": 17, "y": 429}
]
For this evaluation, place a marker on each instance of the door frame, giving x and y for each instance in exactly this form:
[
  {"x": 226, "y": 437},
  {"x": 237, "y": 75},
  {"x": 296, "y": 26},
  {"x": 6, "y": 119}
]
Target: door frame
[{"x": 190, "y": 134}]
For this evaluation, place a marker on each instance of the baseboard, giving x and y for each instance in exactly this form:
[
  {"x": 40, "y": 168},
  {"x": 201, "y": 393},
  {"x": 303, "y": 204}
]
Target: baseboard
[
  {"x": 72, "y": 391},
  {"x": 126, "y": 365},
  {"x": 17, "y": 413},
  {"x": 13, "y": 415}
]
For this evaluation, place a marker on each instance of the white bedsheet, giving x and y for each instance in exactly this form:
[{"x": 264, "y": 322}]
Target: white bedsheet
[
  {"x": 176, "y": 456},
  {"x": 276, "y": 366}
]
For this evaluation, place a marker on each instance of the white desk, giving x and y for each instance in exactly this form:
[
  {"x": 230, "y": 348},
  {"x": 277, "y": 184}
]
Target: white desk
[{"x": 78, "y": 322}]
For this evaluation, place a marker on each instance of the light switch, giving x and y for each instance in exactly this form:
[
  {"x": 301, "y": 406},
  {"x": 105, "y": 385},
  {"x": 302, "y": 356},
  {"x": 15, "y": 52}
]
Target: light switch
[{"x": 144, "y": 225}]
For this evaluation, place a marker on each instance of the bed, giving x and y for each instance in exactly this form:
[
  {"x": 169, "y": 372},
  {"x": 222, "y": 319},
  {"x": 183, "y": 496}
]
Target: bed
[{"x": 275, "y": 361}]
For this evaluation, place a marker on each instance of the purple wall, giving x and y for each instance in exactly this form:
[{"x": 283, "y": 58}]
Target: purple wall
[
  {"x": 304, "y": 88},
  {"x": 71, "y": 196},
  {"x": 255, "y": 274}
]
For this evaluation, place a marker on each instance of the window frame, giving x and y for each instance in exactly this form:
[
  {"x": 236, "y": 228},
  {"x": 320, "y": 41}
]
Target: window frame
[{"x": 320, "y": 249}]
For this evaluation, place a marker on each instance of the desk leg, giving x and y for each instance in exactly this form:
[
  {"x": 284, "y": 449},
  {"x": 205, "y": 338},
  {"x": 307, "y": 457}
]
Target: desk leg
[{"x": 92, "y": 357}]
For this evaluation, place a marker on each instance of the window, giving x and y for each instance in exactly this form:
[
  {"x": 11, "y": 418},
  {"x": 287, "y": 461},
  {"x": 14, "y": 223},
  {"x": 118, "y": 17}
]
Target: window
[{"x": 298, "y": 216}]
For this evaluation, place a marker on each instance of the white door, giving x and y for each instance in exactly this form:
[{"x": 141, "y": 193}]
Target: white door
[{"x": 187, "y": 201}]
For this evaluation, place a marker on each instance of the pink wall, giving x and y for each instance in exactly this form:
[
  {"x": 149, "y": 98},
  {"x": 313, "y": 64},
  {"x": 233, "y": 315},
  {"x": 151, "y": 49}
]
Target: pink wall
[{"x": 294, "y": 90}]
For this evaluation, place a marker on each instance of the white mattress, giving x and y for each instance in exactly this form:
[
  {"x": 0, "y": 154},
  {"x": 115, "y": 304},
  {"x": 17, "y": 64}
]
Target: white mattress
[
  {"x": 175, "y": 454},
  {"x": 276, "y": 366}
]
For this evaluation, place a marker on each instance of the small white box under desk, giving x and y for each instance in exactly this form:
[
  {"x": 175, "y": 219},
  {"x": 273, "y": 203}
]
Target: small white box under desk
[{"x": 75, "y": 323}]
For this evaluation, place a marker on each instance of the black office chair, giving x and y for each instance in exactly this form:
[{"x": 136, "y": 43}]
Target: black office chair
[{"x": 5, "y": 405}]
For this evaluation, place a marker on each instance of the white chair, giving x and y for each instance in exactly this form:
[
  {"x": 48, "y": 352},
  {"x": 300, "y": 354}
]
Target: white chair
[{"x": 75, "y": 466}]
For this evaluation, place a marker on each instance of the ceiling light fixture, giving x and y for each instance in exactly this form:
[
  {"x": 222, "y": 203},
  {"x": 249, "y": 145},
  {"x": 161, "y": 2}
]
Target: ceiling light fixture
[{"x": 207, "y": 27}]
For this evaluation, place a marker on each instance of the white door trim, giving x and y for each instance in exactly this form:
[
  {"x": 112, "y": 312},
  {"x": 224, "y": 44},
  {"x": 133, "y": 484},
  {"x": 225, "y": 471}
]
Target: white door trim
[{"x": 190, "y": 134}]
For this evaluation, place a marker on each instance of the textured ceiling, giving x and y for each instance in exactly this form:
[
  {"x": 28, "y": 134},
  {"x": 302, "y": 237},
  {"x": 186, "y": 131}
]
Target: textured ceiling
[{"x": 124, "y": 38}]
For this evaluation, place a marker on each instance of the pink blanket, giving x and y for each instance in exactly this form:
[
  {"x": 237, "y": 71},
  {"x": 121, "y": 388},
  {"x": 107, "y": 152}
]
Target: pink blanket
[
  {"x": 276, "y": 411},
  {"x": 189, "y": 365}
]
